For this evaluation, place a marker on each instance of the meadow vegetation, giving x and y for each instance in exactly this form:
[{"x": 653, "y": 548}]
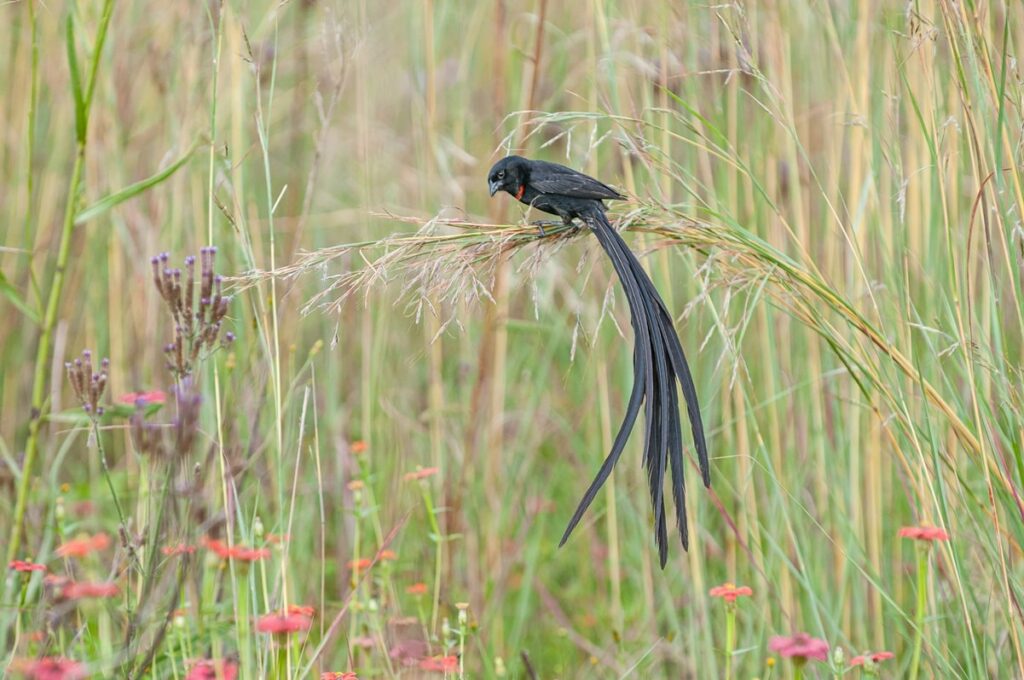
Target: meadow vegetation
[{"x": 337, "y": 404}]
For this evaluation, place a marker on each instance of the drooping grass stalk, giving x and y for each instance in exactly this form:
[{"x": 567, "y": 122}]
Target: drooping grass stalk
[
  {"x": 922, "y": 601},
  {"x": 83, "y": 106}
]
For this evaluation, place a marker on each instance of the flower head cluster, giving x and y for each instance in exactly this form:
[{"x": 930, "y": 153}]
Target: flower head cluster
[
  {"x": 284, "y": 623},
  {"x": 729, "y": 592},
  {"x": 440, "y": 664},
  {"x": 235, "y": 552},
  {"x": 80, "y": 547},
  {"x": 87, "y": 384},
  {"x": 25, "y": 566},
  {"x": 213, "y": 669},
  {"x": 800, "y": 646},
  {"x": 926, "y": 533},
  {"x": 872, "y": 658},
  {"x": 197, "y": 319}
]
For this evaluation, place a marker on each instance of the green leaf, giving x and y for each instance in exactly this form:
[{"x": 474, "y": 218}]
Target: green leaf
[
  {"x": 104, "y": 204},
  {"x": 11, "y": 293},
  {"x": 76, "y": 80}
]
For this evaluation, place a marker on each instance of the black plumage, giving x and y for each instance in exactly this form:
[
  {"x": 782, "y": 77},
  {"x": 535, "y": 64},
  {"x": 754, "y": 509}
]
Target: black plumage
[{"x": 658, "y": 359}]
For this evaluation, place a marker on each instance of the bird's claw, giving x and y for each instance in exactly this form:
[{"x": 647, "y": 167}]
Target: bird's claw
[{"x": 540, "y": 224}]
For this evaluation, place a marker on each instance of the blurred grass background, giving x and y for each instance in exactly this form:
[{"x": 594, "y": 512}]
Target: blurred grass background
[{"x": 830, "y": 196}]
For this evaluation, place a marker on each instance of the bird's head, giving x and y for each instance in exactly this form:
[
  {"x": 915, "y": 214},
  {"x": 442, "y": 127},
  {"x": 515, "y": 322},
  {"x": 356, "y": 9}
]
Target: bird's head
[{"x": 509, "y": 174}]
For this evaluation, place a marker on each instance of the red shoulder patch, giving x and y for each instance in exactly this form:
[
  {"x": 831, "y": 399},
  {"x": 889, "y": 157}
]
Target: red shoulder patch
[{"x": 522, "y": 190}]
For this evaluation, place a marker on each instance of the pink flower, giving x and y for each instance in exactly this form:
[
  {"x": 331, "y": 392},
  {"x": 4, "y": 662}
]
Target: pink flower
[
  {"x": 924, "y": 533},
  {"x": 283, "y": 624},
  {"x": 730, "y": 592},
  {"x": 441, "y": 664},
  {"x": 80, "y": 547},
  {"x": 800, "y": 646},
  {"x": 210, "y": 669},
  {"x": 80, "y": 590},
  {"x": 50, "y": 668},
  {"x": 22, "y": 565},
  {"x": 876, "y": 657},
  {"x": 335, "y": 675},
  {"x": 150, "y": 397}
]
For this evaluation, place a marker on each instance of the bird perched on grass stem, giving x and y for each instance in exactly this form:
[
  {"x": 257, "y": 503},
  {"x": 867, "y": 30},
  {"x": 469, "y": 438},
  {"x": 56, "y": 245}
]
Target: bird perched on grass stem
[{"x": 658, "y": 360}]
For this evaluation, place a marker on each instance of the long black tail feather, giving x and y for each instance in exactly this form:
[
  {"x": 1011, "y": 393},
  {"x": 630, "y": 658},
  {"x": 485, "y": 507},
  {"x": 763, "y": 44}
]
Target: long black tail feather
[{"x": 658, "y": 363}]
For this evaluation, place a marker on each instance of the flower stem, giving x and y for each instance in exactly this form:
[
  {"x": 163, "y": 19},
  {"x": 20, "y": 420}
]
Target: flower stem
[
  {"x": 730, "y": 638},
  {"x": 922, "y": 599}
]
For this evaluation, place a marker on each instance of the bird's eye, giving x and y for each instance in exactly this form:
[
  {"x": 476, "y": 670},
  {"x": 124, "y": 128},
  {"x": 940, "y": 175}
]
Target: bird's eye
[{"x": 501, "y": 174}]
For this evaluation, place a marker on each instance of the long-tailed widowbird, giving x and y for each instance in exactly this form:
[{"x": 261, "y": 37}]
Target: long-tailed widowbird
[{"x": 658, "y": 360}]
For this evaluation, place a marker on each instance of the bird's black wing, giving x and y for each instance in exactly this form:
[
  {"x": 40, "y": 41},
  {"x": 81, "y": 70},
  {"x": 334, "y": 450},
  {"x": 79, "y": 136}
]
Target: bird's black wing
[{"x": 552, "y": 178}]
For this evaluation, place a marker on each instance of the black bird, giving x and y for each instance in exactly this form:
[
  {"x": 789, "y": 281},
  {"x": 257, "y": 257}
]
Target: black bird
[{"x": 658, "y": 360}]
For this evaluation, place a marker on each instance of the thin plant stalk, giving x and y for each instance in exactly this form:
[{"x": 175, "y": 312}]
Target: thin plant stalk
[
  {"x": 922, "y": 601},
  {"x": 83, "y": 104}
]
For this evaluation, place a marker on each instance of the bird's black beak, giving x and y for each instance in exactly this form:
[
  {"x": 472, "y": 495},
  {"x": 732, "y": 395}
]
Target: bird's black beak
[{"x": 494, "y": 186}]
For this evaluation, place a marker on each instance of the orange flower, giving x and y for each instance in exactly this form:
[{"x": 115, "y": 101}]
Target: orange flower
[
  {"x": 336, "y": 675},
  {"x": 23, "y": 565},
  {"x": 359, "y": 565},
  {"x": 213, "y": 669},
  {"x": 180, "y": 549},
  {"x": 80, "y": 547},
  {"x": 283, "y": 624},
  {"x": 876, "y": 657},
  {"x": 387, "y": 555},
  {"x": 730, "y": 592},
  {"x": 421, "y": 473},
  {"x": 356, "y": 485},
  {"x": 50, "y": 668},
  {"x": 79, "y": 590},
  {"x": 417, "y": 589},
  {"x": 236, "y": 552},
  {"x": 924, "y": 533},
  {"x": 359, "y": 446},
  {"x": 442, "y": 664}
]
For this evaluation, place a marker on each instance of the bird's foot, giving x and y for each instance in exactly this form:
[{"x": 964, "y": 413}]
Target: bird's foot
[{"x": 540, "y": 224}]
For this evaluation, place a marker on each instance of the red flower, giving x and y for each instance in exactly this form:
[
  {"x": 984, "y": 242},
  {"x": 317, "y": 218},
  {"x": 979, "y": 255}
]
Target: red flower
[
  {"x": 283, "y": 624},
  {"x": 924, "y": 533},
  {"x": 79, "y": 590},
  {"x": 335, "y": 675},
  {"x": 422, "y": 473},
  {"x": 180, "y": 549},
  {"x": 150, "y": 397},
  {"x": 876, "y": 657},
  {"x": 210, "y": 669},
  {"x": 359, "y": 565},
  {"x": 50, "y": 668},
  {"x": 359, "y": 446},
  {"x": 442, "y": 664},
  {"x": 417, "y": 589},
  {"x": 730, "y": 592},
  {"x": 801, "y": 646},
  {"x": 236, "y": 552},
  {"x": 80, "y": 547},
  {"x": 22, "y": 565}
]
